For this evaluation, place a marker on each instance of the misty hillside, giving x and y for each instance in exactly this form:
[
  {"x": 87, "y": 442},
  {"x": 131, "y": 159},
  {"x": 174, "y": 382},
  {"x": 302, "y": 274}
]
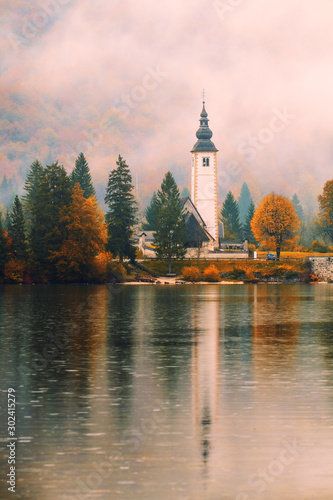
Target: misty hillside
[{"x": 130, "y": 83}]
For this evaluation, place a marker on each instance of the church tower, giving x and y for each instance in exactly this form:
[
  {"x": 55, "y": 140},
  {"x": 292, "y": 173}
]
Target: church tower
[{"x": 204, "y": 177}]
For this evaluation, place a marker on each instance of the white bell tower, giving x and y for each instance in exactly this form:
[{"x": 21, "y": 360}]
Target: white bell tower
[{"x": 204, "y": 177}]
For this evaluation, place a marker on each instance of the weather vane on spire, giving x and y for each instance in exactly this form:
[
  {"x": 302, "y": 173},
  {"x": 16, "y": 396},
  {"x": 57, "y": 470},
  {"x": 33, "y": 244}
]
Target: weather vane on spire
[{"x": 203, "y": 95}]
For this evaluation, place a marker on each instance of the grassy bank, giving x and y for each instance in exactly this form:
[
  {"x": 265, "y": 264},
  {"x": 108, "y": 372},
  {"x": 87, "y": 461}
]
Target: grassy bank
[
  {"x": 247, "y": 270},
  {"x": 296, "y": 255}
]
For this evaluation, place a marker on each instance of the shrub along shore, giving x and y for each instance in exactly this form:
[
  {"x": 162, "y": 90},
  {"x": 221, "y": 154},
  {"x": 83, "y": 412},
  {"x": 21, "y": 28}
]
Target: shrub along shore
[
  {"x": 248, "y": 271},
  {"x": 204, "y": 271}
]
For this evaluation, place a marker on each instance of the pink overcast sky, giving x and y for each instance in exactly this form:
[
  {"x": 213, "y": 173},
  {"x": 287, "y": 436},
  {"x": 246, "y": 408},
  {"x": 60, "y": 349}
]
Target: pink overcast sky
[{"x": 126, "y": 77}]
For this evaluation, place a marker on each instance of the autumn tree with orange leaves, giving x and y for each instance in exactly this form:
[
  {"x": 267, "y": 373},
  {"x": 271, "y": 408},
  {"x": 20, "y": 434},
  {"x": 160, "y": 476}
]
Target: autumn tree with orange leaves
[
  {"x": 275, "y": 221},
  {"x": 86, "y": 236}
]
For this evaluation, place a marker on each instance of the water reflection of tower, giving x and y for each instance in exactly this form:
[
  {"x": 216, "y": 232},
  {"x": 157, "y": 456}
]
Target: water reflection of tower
[{"x": 205, "y": 367}]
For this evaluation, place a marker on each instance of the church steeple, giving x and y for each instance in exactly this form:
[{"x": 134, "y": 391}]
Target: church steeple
[
  {"x": 204, "y": 189},
  {"x": 203, "y": 112},
  {"x": 204, "y": 134}
]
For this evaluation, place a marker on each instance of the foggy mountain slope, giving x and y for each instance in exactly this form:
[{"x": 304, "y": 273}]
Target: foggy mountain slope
[{"x": 126, "y": 78}]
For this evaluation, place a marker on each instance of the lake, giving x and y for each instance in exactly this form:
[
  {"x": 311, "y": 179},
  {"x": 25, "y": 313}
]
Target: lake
[{"x": 189, "y": 392}]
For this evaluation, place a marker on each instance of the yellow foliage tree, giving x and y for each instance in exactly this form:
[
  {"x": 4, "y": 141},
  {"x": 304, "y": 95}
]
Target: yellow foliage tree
[
  {"x": 326, "y": 210},
  {"x": 275, "y": 220},
  {"x": 86, "y": 237},
  {"x": 102, "y": 267}
]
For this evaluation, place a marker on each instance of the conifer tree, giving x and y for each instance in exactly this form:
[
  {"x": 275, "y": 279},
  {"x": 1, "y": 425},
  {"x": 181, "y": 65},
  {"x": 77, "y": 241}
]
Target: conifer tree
[
  {"x": 31, "y": 187},
  {"x": 244, "y": 201},
  {"x": 150, "y": 214},
  {"x": 247, "y": 230},
  {"x": 121, "y": 216},
  {"x": 230, "y": 218},
  {"x": 325, "y": 222},
  {"x": 7, "y": 220},
  {"x": 47, "y": 233},
  {"x": 16, "y": 231},
  {"x": 32, "y": 182},
  {"x": 81, "y": 174},
  {"x": 7, "y": 190},
  {"x": 185, "y": 193},
  {"x": 170, "y": 230},
  {"x": 3, "y": 250},
  {"x": 298, "y": 207}
]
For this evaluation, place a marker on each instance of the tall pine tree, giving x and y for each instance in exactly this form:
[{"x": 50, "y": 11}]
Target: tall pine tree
[
  {"x": 244, "y": 201},
  {"x": 3, "y": 249},
  {"x": 325, "y": 222},
  {"x": 150, "y": 214},
  {"x": 31, "y": 187},
  {"x": 121, "y": 216},
  {"x": 298, "y": 207},
  {"x": 170, "y": 230},
  {"x": 230, "y": 218},
  {"x": 7, "y": 220},
  {"x": 81, "y": 174},
  {"x": 247, "y": 230},
  {"x": 47, "y": 233},
  {"x": 16, "y": 231}
]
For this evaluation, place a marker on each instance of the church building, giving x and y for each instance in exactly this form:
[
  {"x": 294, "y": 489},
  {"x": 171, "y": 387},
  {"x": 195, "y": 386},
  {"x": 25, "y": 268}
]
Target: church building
[
  {"x": 204, "y": 192},
  {"x": 203, "y": 227}
]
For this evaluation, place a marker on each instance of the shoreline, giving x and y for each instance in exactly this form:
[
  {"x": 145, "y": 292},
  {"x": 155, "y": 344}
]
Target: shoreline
[{"x": 175, "y": 281}]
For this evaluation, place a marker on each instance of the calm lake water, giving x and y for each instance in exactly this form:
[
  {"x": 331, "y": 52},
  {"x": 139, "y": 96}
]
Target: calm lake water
[{"x": 198, "y": 392}]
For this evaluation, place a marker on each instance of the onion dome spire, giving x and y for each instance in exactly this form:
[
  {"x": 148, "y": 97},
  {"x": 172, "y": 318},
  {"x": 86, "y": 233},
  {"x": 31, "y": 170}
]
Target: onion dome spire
[{"x": 204, "y": 134}]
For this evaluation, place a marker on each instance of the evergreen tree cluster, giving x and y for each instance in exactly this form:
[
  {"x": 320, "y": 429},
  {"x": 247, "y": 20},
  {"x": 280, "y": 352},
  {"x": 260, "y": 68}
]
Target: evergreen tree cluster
[
  {"x": 236, "y": 216},
  {"x": 57, "y": 231}
]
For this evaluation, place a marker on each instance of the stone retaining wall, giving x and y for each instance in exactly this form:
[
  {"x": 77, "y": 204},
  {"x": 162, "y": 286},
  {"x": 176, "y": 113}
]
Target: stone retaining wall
[{"x": 322, "y": 267}]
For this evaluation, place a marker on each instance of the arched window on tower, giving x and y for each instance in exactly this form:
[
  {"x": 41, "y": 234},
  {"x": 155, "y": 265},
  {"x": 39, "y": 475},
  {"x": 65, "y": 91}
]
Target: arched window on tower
[{"x": 205, "y": 162}]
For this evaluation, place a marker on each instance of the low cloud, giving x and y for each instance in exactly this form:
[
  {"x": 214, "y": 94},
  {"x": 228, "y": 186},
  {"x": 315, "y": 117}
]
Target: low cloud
[{"x": 126, "y": 78}]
